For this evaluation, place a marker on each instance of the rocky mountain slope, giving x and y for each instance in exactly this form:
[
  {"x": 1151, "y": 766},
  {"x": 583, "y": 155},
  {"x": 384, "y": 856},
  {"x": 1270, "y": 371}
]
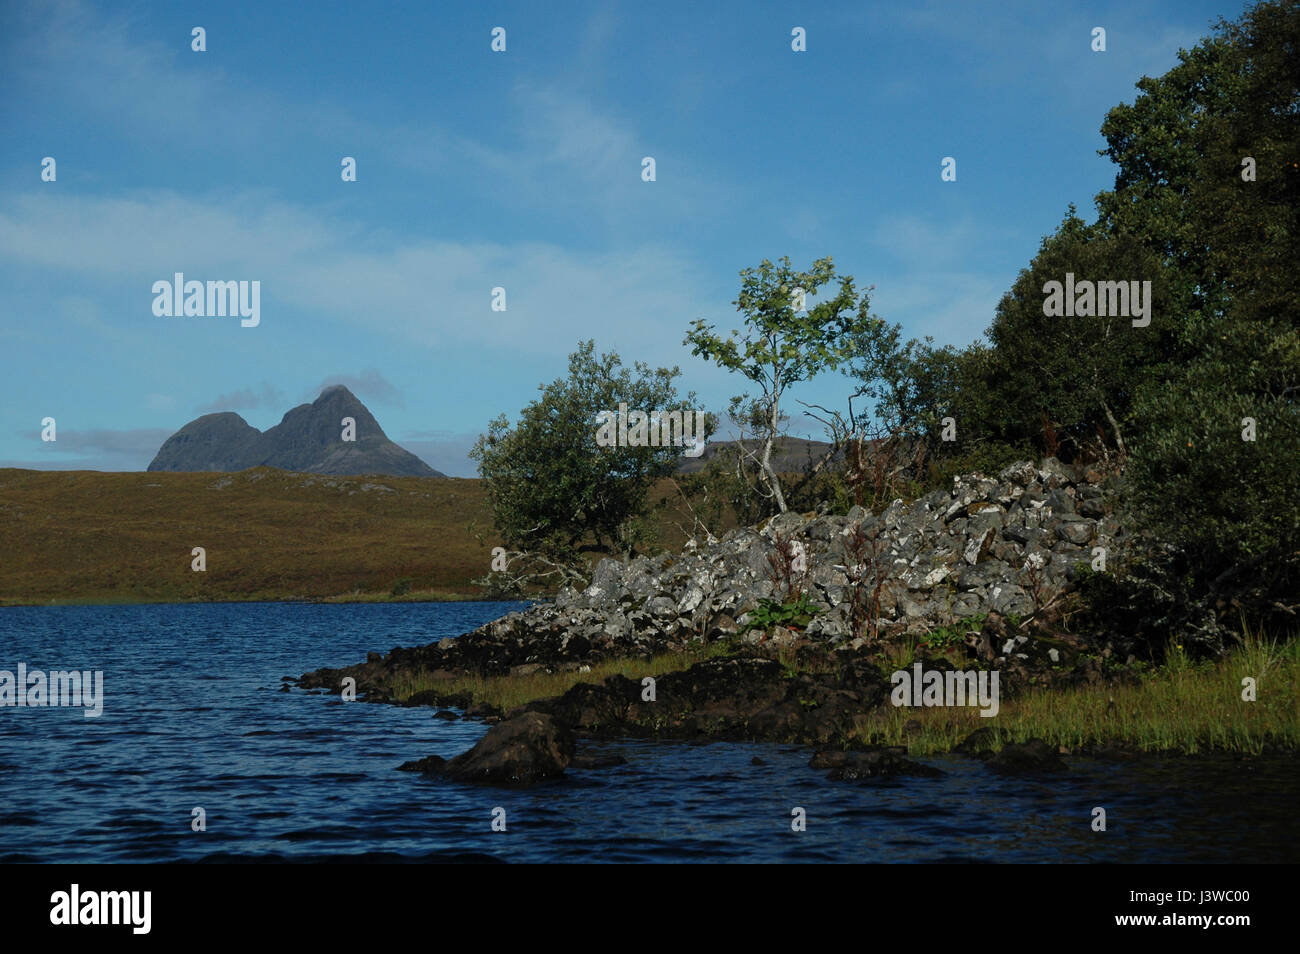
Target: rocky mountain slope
[{"x": 308, "y": 439}]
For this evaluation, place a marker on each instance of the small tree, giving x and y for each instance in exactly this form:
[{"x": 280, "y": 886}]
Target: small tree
[
  {"x": 782, "y": 345},
  {"x": 553, "y": 490}
]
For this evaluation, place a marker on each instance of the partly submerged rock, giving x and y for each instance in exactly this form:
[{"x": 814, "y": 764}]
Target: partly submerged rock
[
  {"x": 981, "y": 743},
  {"x": 1034, "y": 757},
  {"x": 877, "y": 763},
  {"x": 526, "y": 749}
]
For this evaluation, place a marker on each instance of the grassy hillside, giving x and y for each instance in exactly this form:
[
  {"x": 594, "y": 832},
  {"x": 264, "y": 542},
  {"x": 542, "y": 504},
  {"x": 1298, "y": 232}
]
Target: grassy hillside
[
  {"x": 84, "y": 536},
  {"x": 87, "y": 536}
]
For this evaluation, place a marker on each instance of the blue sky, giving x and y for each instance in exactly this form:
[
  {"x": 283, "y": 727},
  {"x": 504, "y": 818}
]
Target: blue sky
[{"x": 519, "y": 169}]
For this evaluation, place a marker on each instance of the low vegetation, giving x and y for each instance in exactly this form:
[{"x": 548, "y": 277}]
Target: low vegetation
[
  {"x": 92, "y": 537},
  {"x": 88, "y": 537},
  {"x": 506, "y": 692},
  {"x": 1181, "y": 706}
]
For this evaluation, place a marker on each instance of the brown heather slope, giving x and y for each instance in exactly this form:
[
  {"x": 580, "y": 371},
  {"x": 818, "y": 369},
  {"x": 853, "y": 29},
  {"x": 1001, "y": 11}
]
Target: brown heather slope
[
  {"x": 86, "y": 536},
  {"x": 94, "y": 537}
]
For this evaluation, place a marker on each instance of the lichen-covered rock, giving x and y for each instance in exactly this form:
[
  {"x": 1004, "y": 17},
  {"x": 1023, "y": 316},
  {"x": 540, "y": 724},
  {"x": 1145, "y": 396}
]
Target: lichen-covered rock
[{"x": 1008, "y": 545}]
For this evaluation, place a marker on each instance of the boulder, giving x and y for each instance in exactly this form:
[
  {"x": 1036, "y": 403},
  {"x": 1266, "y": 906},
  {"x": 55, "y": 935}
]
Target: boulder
[
  {"x": 981, "y": 743},
  {"x": 520, "y": 751},
  {"x": 1034, "y": 757},
  {"x": 877, "y": 763}
]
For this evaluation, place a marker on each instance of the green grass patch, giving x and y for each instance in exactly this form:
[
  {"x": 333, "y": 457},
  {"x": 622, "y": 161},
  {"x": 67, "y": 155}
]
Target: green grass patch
[
  {"x": 506, "y": 692},
  {"x": 1181, "y": 706}
]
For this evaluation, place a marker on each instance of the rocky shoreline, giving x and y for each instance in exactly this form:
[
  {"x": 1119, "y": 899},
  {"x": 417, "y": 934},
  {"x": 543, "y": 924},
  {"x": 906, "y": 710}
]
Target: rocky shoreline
[{"x": 989, "y": 565}]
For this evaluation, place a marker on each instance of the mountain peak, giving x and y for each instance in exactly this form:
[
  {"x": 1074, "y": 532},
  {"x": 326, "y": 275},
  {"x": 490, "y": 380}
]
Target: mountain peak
[
  {"x": 339, "y": 390},
  {"x": 311, "y": 438}
]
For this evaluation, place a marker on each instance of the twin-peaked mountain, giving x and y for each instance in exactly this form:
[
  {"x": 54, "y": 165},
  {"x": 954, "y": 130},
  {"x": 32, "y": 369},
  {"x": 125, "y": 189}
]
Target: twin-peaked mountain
[{"x": 309, "y": 438}]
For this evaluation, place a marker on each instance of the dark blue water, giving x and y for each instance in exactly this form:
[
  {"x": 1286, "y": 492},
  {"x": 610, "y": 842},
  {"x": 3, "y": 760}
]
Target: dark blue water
[{"x": 193, "y": 716}]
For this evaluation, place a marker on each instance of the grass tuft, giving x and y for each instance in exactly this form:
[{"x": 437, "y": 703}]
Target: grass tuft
[
  {"x": 506, "y": 692},
  {"x": 1182, "y": 706}
]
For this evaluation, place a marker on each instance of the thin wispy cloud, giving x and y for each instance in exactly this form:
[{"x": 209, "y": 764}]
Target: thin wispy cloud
[
  {"x": 94, "y": 449},
  {"x": 369, "y": 385},
  {"x": 267, "y": 397}
]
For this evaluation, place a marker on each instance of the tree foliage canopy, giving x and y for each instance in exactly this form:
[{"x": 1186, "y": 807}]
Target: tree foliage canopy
[
  {"x": 550, "y": 484},
  {"x": 783, "y": 342}
]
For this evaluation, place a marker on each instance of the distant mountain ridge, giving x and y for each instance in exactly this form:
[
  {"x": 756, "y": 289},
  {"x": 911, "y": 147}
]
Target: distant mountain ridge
[
  {"x": 308, "y": 439},
  {"x": 790, "y": 455}
]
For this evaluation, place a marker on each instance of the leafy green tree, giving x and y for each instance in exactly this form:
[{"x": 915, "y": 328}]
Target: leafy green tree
[
  {"x": 1216, "y": 475},
  {"x": 913, "y": 384},
  {"x": 1066, "y": 380},
  {"x": 1037, "y": 384},
  {"x": 553, "y": 490},
  {"x": 964, "y": 384},
  {"x": 1181, "y": 187},
  {"x": 782, "y": 345},
  {"x": 1225, "y": 508},
  {"x": 912, "y": 387}
]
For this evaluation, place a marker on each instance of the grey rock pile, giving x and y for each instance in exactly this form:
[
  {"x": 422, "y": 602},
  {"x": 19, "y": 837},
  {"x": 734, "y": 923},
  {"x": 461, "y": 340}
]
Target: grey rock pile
[{"x": 1008, "y": 545}]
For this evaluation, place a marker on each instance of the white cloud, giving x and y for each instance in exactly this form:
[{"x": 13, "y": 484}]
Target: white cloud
[
  {"x": 952, "y": 307},
  {"x": 369, "y": 385},
  {"x": 429, "y": 292},
  {"x": 155, "y": 88},
  {"x": 246, "y": 399},
  {"x": 931, "y": 289},
  {"x": 560, "y": 141}
]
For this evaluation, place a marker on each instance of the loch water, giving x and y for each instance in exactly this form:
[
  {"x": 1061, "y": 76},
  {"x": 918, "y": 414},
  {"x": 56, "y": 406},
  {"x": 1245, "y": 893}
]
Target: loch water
[{"x": 194, "y": 717}]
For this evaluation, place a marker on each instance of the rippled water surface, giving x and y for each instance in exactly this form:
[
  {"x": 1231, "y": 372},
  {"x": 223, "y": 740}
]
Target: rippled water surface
[{"x": 194, "y": 717}]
